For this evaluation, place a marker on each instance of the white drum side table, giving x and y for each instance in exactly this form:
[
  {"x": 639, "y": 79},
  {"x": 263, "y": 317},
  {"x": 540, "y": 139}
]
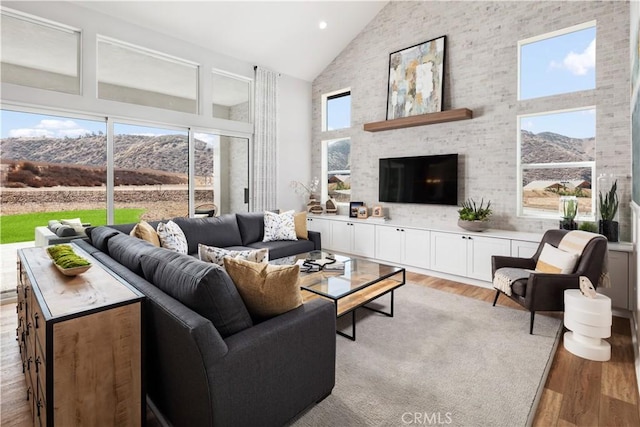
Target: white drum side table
[{"x": 588, "y": 321}]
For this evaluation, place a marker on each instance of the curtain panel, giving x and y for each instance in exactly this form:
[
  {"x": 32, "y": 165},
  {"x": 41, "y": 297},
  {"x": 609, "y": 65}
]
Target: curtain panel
[{"x": 265, "y": 140}]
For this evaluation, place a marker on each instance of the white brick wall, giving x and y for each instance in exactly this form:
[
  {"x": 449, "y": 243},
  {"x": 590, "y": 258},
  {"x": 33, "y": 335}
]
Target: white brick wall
[{"x": 480, "y": 74}]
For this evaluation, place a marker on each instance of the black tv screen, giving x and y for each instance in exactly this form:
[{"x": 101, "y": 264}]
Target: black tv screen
[{"x": 421, "y": 179}]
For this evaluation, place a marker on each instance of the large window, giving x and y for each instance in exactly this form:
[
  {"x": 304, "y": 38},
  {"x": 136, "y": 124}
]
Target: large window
[
  {"x": 336, "y": 156},
  {"x": 132, "y": 74},
  {"x": 221, "y": 174},
  {"x": 39, "y": 53},
  {"x": 557, "y": 158},
  {"x": 231, "y": 97},
  {"x": 151, "y": 172},
  {"x": 560, "y": 62},
  {"x": 336, "y": 110}
]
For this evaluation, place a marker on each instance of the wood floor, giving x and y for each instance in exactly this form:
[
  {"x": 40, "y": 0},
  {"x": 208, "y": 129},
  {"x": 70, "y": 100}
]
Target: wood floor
[{"x": 578, "y": 392}]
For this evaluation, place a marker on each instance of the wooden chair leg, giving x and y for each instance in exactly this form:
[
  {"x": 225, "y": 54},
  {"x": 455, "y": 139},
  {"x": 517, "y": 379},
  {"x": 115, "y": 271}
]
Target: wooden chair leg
[
  {"x": 495, "y": 300},
  {"x": 533, "y": 313}
]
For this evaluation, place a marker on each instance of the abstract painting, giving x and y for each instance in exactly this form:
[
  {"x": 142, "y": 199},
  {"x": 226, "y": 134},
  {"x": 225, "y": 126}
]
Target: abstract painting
[{"x": 416, "y": 77}]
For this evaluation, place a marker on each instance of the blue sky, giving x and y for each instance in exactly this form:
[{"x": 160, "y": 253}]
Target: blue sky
[
  {"x": 574, "y": 124},
  {"x": 560, "y": 64}
]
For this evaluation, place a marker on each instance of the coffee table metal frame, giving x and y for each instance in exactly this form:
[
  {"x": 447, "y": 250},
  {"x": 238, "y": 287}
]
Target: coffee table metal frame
[{"x": 362, "y": 288}]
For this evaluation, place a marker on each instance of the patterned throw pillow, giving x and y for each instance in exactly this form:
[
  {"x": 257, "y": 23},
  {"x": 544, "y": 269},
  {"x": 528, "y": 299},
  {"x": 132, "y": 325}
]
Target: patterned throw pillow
[
  {"x": 217, "y": 255},
  {"x": 279, "y": 226},
  {"x": 172, "y": 237},
  {"x": 554, "y": 260}
]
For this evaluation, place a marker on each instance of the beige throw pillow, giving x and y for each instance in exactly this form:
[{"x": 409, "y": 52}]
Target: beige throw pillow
[
  {"x": 267, "y": 290},
  {"x": 554, "y": 260},
  {"x": 143, "y": 230},
  {"x": 300, "y": 222}
]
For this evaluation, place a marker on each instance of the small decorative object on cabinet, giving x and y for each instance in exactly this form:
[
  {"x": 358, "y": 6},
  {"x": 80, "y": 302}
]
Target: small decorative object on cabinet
[
  {"x": 608, "y": 205},
  {"x": 314, "y": 207},
  {"x": 353, "y": 209},
  {"x": 568, "y": 210},
  {"x": 377, "y": 212},
  {"x": 473, "y": 217},
  {"x": 331, "y": 207},
  {"x": 363, "y": 212}
]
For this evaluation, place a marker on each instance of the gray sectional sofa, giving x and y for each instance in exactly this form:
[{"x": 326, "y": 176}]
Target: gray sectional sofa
[{"x": 206, "y": 361}]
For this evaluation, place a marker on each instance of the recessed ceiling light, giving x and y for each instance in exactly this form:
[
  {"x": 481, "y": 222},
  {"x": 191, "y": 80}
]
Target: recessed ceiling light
[{"x": 322, "y": 25}]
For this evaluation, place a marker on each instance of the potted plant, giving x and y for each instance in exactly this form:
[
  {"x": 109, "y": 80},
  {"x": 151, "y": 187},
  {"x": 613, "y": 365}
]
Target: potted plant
[
  {"x": 473, "y": 217},
  {"x": 569, "y": 212},
  {"x": 608, "y": 226}
]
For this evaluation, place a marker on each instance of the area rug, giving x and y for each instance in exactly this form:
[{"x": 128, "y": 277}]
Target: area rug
[{"x": 443, "y": 359}]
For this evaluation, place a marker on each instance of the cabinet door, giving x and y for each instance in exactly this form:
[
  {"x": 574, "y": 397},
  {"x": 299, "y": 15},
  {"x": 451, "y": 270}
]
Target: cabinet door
[
  {"x": 481, "y": 249},
  {"x": 341, "y": 236},
  {"x": 364, "y": 240},
  {"x": 523, "y": 249},
  {"x": 449, "y": 253},
  {"x": 323, "y": 227},
  {"x": 389, "y": 243},
  {"x": 619, "y": 275},
  {"x": 416, "y": 248}
]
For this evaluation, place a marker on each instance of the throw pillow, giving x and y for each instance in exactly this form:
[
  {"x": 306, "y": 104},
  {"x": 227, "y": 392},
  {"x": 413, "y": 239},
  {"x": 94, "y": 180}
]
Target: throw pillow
[
  {"x": 267, "y": 290},
  {"x": 554, "y": 260},
  {"x": 279, "y": 226},
  {"x": 74, "y": 222},
  {"x": 144, "y": 231},
  {"x": 300, "y": 222},
  {"x": 172, "y": 237},
  {"x": 217, "y": 255}
]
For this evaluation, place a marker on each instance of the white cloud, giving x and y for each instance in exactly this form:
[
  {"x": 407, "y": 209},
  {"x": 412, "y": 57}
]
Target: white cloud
[
  {"x": 578, "y": 64},
  {"x": 50, "y": 128}
]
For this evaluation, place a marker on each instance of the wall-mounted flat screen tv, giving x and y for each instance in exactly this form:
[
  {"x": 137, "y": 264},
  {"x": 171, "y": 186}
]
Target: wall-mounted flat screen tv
[{"x": 420, "y": 179}]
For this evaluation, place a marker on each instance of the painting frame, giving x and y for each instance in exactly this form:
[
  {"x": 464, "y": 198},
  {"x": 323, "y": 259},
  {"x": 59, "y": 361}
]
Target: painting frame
[
  {"x": 414, "y": 72},
  {"x": 377, "y": 211},
  {"x": 353, "y": 209}
]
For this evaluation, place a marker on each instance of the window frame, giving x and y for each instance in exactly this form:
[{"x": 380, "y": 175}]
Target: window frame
[
  {"x": 547, "y": 36},
  {"x": 248, "y": 80},
  {"x": 521, "y": 167},
  {"x": 326, "y": 97}
]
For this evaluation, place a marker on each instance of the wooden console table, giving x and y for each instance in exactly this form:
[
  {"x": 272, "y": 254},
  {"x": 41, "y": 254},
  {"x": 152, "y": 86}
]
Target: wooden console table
[{"x": 80, "y": 343}]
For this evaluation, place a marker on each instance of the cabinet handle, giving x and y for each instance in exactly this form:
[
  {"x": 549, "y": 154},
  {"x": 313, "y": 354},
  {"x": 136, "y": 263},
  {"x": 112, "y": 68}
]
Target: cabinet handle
[
  {"x": 29, "y": 360},
  {"x": 28, "y": 327},
  {"x": 470, "y": 238},
  {"x": 35, "y": 317},
  {"x": 38, "y": 362},
  {"x": 464, "y": 237},
  {"x": 23, "y": 368},
  {"x": 28, "y": 393},
  {"x": 26, "y": 290},
  {"x": 39, "y": 404}
]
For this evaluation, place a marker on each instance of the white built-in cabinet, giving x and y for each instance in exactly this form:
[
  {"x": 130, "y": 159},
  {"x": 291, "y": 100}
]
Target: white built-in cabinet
[
  {"x": 407, "y": 246},
  {"x": 466, "y": 255},
  {"x": 456, "y": 253}
]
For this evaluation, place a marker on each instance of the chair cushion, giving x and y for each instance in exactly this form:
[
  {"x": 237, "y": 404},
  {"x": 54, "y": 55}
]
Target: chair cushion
[
  {"x": 267, "y": 290},
  {"x": 554, "y": 260},
  {"x": 172, "y": 237},
  {"x": 143, "y": 230},
  {"x": 217, "y": 255},
  {"x": 203, "y": 287},
  {"x": 219, "y": 231},
  {"x": 519, "y": 287},
  {"x": 251, "y": 226},
  {"x": 279, "y": 227}
]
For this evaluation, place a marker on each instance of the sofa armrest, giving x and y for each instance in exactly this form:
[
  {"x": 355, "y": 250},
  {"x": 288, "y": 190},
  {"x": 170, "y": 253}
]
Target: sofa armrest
[
  {"x": 315, "y": 237},
  {"x": 545, "y": 291},
  {"x": 277, "y": 368},
  {"x": 498, "y": 262}
]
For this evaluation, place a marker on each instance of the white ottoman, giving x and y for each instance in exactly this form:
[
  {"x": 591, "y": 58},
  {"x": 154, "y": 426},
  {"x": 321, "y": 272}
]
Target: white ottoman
[{"x": 588, "y": 321}]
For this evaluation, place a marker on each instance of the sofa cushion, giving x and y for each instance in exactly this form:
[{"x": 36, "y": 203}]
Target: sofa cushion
[
  {"x": 221, "y": 231},
  {"x": 285, "y": 248},
  {"x": 204, "y": 288},
  {"x": 217, "y": 255},
  {"x": 143, "y": 230},
  {"x": 251, "y": 226},
  {"x": 172, "y": 237},
  {"x": 279, "y": 227},
  {"x": 267, "y": 290},
  {"x": 99, "y": 236},
  {"x": 128, "y": 251}
]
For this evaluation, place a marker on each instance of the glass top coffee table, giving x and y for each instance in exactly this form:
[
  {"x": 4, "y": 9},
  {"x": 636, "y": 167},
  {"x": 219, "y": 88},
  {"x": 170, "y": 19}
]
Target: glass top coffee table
[{"x": 360, "y": 282}]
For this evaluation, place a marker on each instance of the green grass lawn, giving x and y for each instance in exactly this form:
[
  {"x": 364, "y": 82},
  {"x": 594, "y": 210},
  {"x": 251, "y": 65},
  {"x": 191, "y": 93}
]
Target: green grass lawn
[{"x": 21, "y": 227}]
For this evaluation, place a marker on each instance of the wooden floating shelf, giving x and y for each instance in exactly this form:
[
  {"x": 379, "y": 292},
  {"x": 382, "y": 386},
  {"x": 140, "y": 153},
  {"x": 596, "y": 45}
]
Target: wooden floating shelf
[{"x": 423, "y": 119}]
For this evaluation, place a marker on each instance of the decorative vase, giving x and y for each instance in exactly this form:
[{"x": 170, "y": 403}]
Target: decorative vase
[
  {"x": 476, "y": 225},
  {"x": 609, "y": 229},
  {"x": 568, "y": 224}
]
